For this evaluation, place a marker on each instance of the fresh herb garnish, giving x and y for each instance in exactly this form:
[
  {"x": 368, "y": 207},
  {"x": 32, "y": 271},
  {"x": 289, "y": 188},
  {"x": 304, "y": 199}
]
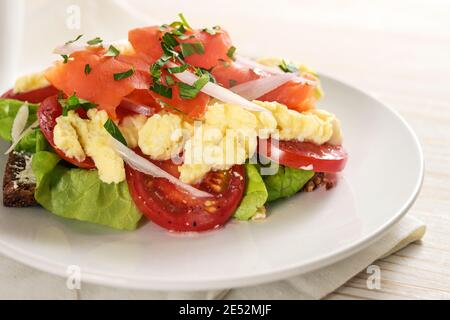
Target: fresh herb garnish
[
  {"x": 201, "y": 71},
  {"x": 231, "y": 53},
  {"x": 74, "y": 40},
  {"x": 170, "y": 51},
  {"x": 164, "y": 27},
  {"x": 87, "y": 69},
  {"x": 94, "y": 41},
  {"x": 170, "y": 40},
  {"x": 74, "y": 103},
  {"x": 112, "y": 52},
  {"x": 124, "y": 75},
  {"x": 65, "y": 57},
  {"x": 114, "y": 131},
  {"x": 188, "y": 49},
  {"x": 288, "y": 67},
  {"x": 155, "y": 69},
  {"x": 179, "y": 69},
  {"x": 190, "y": 92},
  {"x": 162, "y": 90},
  {"x": 170, "y": 81},
  {"x": 232, "y": 83},
  {"x": 184, "y": 21}
]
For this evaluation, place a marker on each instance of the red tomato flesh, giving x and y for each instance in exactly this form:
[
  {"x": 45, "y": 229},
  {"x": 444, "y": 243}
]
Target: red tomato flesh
[
  {"x": 48, "y": 112},
  {"x": 297, "y": 154},
  {"x": 175, "y": 210}
]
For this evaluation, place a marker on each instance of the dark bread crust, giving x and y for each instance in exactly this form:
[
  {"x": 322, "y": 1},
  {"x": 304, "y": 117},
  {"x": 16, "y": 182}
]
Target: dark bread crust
[{"x": 17, "y": 193}]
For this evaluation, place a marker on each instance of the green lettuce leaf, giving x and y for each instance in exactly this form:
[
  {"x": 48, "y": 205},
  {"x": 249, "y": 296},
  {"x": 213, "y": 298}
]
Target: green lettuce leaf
[
  {"x": 255, "y": 195},
  {"x": 8, "y": 111},
  {"x": 286, "y": 182},
  {"x": 79, "y": 194},
  {"x": 33, "y": 142}
]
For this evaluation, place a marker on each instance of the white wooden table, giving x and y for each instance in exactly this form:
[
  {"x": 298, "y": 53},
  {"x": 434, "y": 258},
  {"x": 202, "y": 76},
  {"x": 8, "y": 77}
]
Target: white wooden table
[{"x": 397, "y": 50}]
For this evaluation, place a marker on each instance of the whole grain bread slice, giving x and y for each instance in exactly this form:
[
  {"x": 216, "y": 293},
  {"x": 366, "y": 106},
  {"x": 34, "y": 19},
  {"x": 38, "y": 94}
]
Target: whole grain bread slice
[{"x": 19, "y": 183}]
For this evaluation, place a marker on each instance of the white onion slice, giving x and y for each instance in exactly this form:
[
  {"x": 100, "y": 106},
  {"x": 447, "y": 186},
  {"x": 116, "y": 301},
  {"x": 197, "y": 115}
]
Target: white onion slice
[
  {"x": 217, "y": 91},
  {"x": 24, "y": 133},
  {"x": 68, "y": 49},
  {"x": 257, "y": 88},
  {"x": 20, "y": 121},
  {"x": 253, "y": 64},
  {"x": 143, "y": 165}
]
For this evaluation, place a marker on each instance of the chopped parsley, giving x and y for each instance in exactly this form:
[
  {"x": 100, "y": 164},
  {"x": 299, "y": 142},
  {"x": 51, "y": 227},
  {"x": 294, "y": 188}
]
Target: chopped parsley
[
  {"x": 124, "y": 75},
  {"x": 200, "y": 72},
  {"x": 112, "y": 52},
  {"x": 65, "y": 57},
  {"x": 164, "y": 27},
  {"x": 170, "y": 51},
  {"x": 184, "y": 21},
  {"x": 162, "y": 90},
  {"x": 155, "y": 69},
  {"x": 74, "y": 40},
  {"x": 95, "y": 41},
  {"x": 170, "y": 81},
  {"x": 288, "y": 67},
  {"x": 114, "y": 131},
  {"x": 188, "y": 49},
  {"x": 190, "y": 92},
  {"x": 231, "y": 52},
  {"x": 179, "y": 69},
  {"x": 169, "y": 40},
  {"x": 74, "y": 103},
  {"x": 87, "y": 69}
]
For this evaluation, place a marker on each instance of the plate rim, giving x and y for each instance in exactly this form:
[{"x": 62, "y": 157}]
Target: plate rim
[{"x": 131, "y": 282}]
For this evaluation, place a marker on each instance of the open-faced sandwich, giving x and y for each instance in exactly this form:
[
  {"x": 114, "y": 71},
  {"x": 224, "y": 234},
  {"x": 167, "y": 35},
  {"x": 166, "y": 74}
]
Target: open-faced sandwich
[{"x": 172, "y": 124}]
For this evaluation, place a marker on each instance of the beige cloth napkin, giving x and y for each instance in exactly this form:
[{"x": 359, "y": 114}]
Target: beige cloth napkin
[{"x": 21, "y": 282}]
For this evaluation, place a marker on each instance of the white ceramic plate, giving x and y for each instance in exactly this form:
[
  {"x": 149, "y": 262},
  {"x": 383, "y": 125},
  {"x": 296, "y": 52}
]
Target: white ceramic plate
[{"x": 304, "y": 233}]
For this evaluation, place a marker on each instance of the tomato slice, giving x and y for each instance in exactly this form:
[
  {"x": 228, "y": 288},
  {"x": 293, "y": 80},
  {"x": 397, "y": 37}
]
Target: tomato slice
[
  {"x": 297, "y": 154},
  {"x": 48, "y": 112},
  {"x": 173, "y": 209},
  {"x": 33, "y": 96}
]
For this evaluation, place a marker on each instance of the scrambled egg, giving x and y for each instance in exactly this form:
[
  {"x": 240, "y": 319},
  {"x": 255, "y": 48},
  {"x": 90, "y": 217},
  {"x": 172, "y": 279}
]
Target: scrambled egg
[
  {"x": 162, "y": 137},
  {"x": 227, "y": 135},
  {"x": 130, "y": 126},
  {"x": 315, "y": 126},
  {"x": 79, "y": 138},
  {"x": 30, "y": 82}
]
